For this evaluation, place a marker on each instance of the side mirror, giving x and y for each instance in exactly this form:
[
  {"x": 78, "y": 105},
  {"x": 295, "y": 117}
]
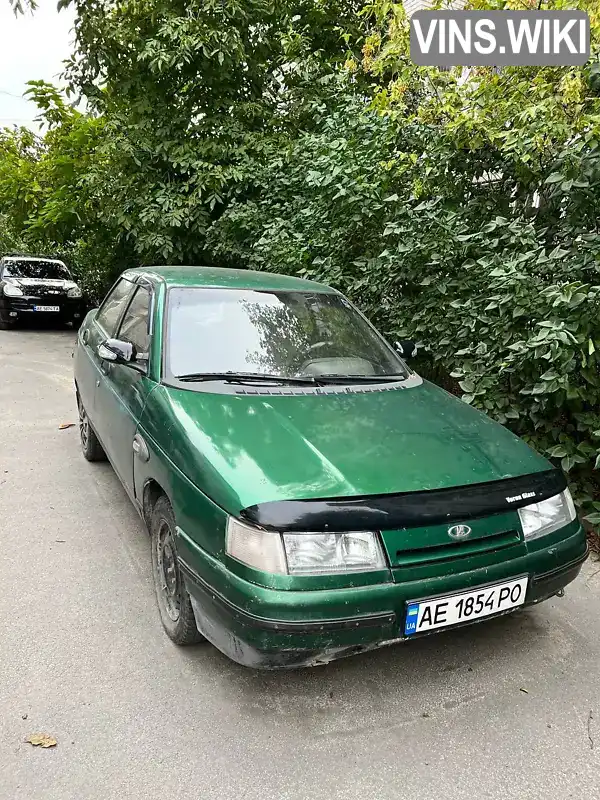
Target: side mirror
[
  {"x": 117, "y": 351},
  {"x": 406, "y": 348}
]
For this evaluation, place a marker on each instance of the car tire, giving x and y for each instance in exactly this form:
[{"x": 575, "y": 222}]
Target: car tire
[
  {"x": 90, "y": 446},
  {"x": 6, "y": 324},
  {"x": 173, "y": 600}
]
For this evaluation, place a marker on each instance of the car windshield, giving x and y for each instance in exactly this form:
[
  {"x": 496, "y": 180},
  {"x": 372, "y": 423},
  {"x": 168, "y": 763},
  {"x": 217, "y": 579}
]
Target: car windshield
[
  {"x": 285, "y": 334},
  {"x": 44, "y": 270}
]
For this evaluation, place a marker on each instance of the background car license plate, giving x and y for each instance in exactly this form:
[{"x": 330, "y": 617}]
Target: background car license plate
[
  {"x": 426, "y": 615},
  {"x": 46, "y": 308}
]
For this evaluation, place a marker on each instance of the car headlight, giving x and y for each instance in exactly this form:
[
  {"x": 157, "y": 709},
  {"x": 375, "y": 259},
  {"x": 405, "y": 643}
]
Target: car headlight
[
  {"x": 74, "y": 292},
  {"x": 538, "y": 519},
  {"x": 12, "y": 290},
  {"x": 328, "y": 553},
  {"x": 304, "y": 553}
]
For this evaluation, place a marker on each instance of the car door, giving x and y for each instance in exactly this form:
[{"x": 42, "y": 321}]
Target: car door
[
  {"x": 90, "y": 369},
  {"x": 123, "y": 390}
]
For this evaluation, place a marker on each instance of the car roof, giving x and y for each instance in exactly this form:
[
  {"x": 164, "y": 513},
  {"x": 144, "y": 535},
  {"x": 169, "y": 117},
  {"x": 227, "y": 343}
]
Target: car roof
[{"x": 219, "y": 277}]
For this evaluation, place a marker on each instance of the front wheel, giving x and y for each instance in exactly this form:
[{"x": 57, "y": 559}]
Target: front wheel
[
  {"x": 173, "y": 600},
  {"x": 6, "y": 322}
]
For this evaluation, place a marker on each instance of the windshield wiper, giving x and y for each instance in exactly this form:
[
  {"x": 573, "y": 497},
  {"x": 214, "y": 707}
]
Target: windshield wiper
[
  {"x": 331, "y": 378},
  {"x": 316, "y": 380},
  {"x": 246, "y": 377}
]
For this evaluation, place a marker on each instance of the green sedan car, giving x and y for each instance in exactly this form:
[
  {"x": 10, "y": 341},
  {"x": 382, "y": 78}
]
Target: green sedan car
[{"x": 308, "y": 495}]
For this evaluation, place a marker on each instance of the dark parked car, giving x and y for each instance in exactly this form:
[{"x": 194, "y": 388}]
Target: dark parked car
[{"x": 38, "y": 287}]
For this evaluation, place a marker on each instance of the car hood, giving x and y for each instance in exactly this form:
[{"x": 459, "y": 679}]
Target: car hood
[
  {"x": 241, "y": 450},
  {"x": 45, "y": 283}
]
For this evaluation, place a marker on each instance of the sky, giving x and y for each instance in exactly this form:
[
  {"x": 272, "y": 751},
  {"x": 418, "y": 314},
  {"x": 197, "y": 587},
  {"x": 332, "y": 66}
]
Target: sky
[{"x": 32, "y": 47}]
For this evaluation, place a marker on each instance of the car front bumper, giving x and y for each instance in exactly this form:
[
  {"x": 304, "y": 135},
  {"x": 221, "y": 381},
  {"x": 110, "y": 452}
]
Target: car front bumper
[
  {"x": 305, "y": 628},
  {"x": 71, "y": 309}
]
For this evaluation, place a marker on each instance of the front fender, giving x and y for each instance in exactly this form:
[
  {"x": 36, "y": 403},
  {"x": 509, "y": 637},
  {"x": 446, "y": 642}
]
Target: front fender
[{"x": 197, "y": 514}]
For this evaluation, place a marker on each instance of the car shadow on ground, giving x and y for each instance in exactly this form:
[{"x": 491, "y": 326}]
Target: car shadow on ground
[
  {"x": 396, "y": 685},
  {"x": 35, "y": 324}
]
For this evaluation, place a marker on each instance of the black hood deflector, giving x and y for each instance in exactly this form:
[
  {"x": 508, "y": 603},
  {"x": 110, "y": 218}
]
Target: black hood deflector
[{"x": 407, "y": 509}]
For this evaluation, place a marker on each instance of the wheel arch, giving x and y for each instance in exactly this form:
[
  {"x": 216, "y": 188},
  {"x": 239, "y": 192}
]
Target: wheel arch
[{"x": 152, "y": 491}]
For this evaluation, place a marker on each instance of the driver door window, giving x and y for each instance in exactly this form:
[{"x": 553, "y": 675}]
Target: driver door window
[
  {"x": 134, "y": 325},
  {"x": 111, "y": 309}
]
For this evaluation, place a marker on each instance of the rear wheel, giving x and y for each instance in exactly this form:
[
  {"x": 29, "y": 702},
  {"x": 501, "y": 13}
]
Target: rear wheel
[
  {"x": 173, "y": 600},
  {"x": 90, "y": 446}
]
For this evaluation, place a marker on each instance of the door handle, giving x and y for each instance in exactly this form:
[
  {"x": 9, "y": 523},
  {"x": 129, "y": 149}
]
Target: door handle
[{"x": 85, "y": 336}]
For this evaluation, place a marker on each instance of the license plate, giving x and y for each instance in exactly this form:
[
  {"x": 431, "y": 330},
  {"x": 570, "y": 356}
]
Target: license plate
[
  {"x": 46, "y": 308},
  {"x": 427, "y": 615}
]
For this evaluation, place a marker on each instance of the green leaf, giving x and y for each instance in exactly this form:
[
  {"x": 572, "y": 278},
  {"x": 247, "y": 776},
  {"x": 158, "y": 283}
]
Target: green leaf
[
  {"x": 566, "y": 463},
  {"x": 555, "y": 177},
  {"x": 558, "y": 451},
  {"x": 549, "y": 375}
]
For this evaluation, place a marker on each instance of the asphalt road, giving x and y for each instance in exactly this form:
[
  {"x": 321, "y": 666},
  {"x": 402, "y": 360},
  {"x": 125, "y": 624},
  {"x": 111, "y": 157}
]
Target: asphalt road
[{"x": 505, "y": 709}]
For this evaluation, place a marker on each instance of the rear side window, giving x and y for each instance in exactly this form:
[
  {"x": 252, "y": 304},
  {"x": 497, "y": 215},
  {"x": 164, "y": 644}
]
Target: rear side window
[
  {"x": 134, "y": 327},
  {"x": 114, "y": 303}
]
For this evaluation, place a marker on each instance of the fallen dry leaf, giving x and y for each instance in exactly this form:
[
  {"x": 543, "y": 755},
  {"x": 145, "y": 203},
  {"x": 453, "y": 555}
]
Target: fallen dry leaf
[
  {"x": 64, "y": 425},
  {"x": 525, "y": 691},
  {"x": 41, "y": 740}
]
